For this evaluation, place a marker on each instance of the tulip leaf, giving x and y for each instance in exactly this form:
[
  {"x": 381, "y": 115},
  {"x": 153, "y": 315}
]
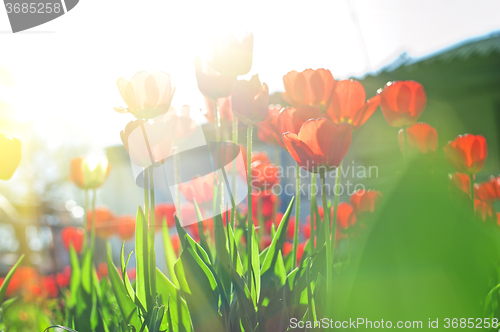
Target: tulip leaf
[
  {"x": 235, "y": 255},
  {"x": 142, "y": 261},
  {"x": 279, "y": 271},
  {"x": 125, "y": 303},
  {"x": 255, "y": 284},
  {"x": 222, "y": 255},
  {"x": 125, "y": 278},
  {"x": 201, "y": 231},
  {"x": 187, "y": 241},
  {"x": 170, "y": 255},
  {"x": 5, "y": 284},
  {"x": 247, "y": 312},
  {"x": 177, "y": 308}
]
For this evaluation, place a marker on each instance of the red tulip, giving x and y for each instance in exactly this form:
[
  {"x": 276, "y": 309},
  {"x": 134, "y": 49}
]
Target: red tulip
[
  {"x": 164, "y": 211},
  {"x": 224, "y": 107},
  {"x": 467, "y": 153},
  {"x": 310, "y": 87},
  {"x": 148, "y": 144},
  {"x": 349, "y": 104},
  {"x": 291, "y": 120},
  {"x": 125, "y": 226},
  {"x": 421, "y": 137},
  {"x": 459, "y": 181},
  {"x": 265, "y": 175},
  {"x": 211, "y": 83},
  {"x": 300, "y": 251},
  {"x": 287, "y": 248},
  {"x": 89, "y": 172},
  {"x": 250, "y": 100},
  {"x": 102, "y": 271},
  {"x": 10, "y": 156},
  {"x": 176, "y": 243},
  {"x": 365, "y": 201},
  {"x": 320, "y": 145},
  {"x": 265, "y": 242},
  {"x": 483, "y": 210},
  {"x": 487, "y": 191},
  {"x": 266, "y": 207},
  {"x": 74, "y": 236},
  {"x": 200, "y": 188},
  {"x": 345, "y": 215},
  {"x": 146, "y": 95},
  {"x": 104, "y": 227},
  {"x": 233, "y": 54},
  {"x": 132, "y": 273},
  {"x": 268, "y": 128},
  {"x": 402, "y": 102}
]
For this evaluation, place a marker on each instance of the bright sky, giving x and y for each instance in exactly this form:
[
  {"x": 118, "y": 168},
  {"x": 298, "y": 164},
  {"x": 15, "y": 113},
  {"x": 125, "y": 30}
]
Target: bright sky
[{"x": 65, "y": 71}]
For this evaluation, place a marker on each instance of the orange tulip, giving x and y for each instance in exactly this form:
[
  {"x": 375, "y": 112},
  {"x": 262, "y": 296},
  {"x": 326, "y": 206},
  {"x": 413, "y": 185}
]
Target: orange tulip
[
  {"x": 320, "y": 145},
  {"x": 402, "y": 102},
  {"x": 250, "y": 100},
  {"x": 125, "y": 226},
  {"x": 74, "y": 236},
  {"x": 232, "y": 54},
  {"x": 211, "y": 83},
  {"x": 349, "y": 104},
  {"x": 484, "y": 210},
  {"x": 264, "y": 173},
  {"x": 291, "y": 120},
  {"x": 164, "y": 211},
  {"x": 364, "y": 202},
  {"x": 90, "y": 172},
  {"x": 10, "y": 156},
  {"x": 459, "y": 182},
  {"x": 421, "y": 137},
  {"x": 104, "y": 226},
  {"x": 148, "y": 144},
  {"x": 200, "y": 188},
  {"x": 224, "y": 107},
  {"x": 146, "y": 95},
  {"x": 266, "y": 207},
  {"x": 310, "y": 87},
  {"x": 467, "y": 153},
  {"x": 345, "y": 215},
  {"x": 487, "y": 191},
  {"x": 267, "y": 128}
]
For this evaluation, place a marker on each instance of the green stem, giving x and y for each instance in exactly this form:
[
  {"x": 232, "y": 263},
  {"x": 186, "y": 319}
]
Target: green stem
[
  {"x": 152, "y": 230},
  {"x": 277, "y": 163},
  {"x": 471, "y": 177},
  {"x": 250, "y": 221},
  {"x": 145, "y": 231},
  {"x": 233, "y": 170},
  {"x": 92, "y": 232},
  {"x": 297, "y": 216},
  {"x": 313, "y": 206},
  {"x": 326, "y": 223},
  {"x": 405, "y": 145},
  {"x": 335, "y": 205},
  {"x": 86, "y": 223}
]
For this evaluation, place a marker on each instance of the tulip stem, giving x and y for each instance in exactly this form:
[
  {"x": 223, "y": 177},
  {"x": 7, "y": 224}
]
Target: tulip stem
[
  {"x": 405, "y": 145},
  {"x": 233, "y": 169},
  {"x": 297, "y": 216},
  {"x": 145, "y": 231},
  {"x": 471, "y": 176},
  {"x": 326, "y": 223},
  {"x": 152, "y": 230},
  {"x": 250, "y": 221},
  {"x": 313, "y": 207},
  {"x": 86, "y": 222},
  {"x": 92, "y": 232},
  {"x": 335, "y": 205},
  {"x": 277, "y": 163}
]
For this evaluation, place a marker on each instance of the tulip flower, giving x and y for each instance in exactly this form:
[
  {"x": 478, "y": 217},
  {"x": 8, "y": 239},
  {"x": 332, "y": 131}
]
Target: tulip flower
[
  {"x": 148, "y": 144},
  {"x": 267, "y": 200},
  {"x": 320, "y": 145},
  {"x": 183, "y": 125},
  {"x": 421, "y": 137},
  {"x": 211, "y": 83},
  {"x": 291, "y": 119},
  {"x": 310, "y": 87},
  {"x": 250, "y": 100},
  {"x": 487, "y": 191},
  {"x": 146, "y": 95},
  {"x": 402, "y": 102},
  {"x": 267, "y": 129},
  {"x": 89, "y": 172},
  {"x": 349, "y": 104},
  {"x": 104, "y": 226},
  {"x": 265, "y": 175},
  {"x": 224, "y": 107},
  {"x": 467, "y": 153},
  {"x": 200, "y": 188},
  {"x": 73, "y": 236},
  {"x": 345, "y": 216},
  {"x": 459, "y": 182},
  {"x": 164, "y": 211},
  {"x": 364, "y": 202},
  {"x": 125, "y": 227},
  {"x": 484, "y": 210},
  {"x": 232, "y": 54},
  {"x": 10, "y": 156}
]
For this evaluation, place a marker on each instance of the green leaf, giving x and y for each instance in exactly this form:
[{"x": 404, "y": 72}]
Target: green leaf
[
  {"x": 142, "y": 261},
  {"x": 200, "y": 290},
  {"x": 126, "y": 280},
  {"x": 127, "y": 306},
  {"x": 223, "y": 261},
  {"x": 201, "y": 231},
  {"x": 178, "y": 312},
  {"x": 247, "y": 311},
  {"x": 255, "y": 286},
  {"x": 235, "y": 255},
  {"x": 170, "y": 256},
  {"x": 279, "y": 271},
  {"x": 5, "y": 284},
  {"x": 278, "y": 240},
  {"x": 187, "y": 241}
]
